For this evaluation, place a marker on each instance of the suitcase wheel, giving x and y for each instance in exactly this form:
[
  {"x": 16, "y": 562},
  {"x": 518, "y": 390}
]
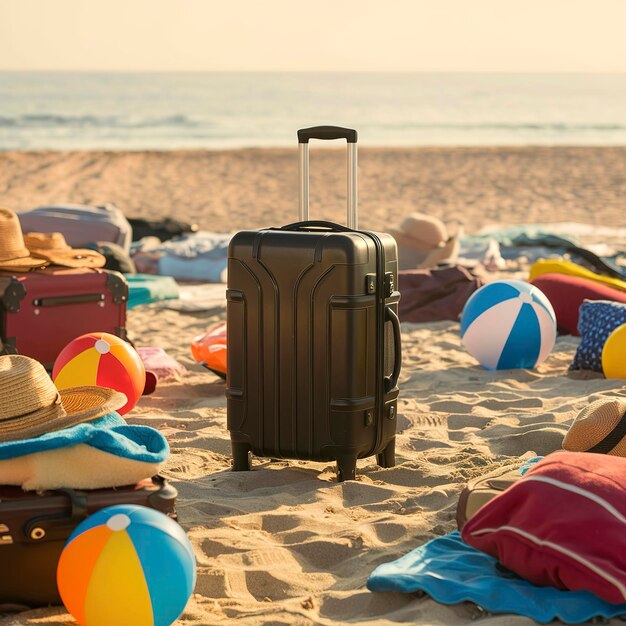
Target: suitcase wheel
[
  {"x": 387, "y": 458},
  {"x": 242, "y": 457},
  {"x": 346, "y": 468}
]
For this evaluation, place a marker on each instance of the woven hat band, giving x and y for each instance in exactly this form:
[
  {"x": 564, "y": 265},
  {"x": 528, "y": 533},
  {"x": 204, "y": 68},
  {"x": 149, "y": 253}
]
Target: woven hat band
[{"x": 600, "y": 427}]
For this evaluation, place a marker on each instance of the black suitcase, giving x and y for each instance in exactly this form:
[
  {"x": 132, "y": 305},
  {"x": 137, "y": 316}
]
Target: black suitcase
[
  {"x": 34, "y": 527},
  {"x": 313, "y": 336}
]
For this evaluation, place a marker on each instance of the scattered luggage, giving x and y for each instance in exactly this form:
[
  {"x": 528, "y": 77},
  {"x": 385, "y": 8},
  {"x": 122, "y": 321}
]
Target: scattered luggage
[
  {"x": 42, "y": 311},
  {"x": 314, "y": 349},
  {"x": 34, "y": 527},
  {"x": 116, "y": 258},
  {"x": 80, "y": 224},
  {"x": 481, "y": 490}
]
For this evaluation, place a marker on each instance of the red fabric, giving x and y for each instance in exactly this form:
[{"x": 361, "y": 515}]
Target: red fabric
[
  {"x": 566, "y": 294},
  {"x": 432, "y": 295},
  {"x": 583, "y": 539}
]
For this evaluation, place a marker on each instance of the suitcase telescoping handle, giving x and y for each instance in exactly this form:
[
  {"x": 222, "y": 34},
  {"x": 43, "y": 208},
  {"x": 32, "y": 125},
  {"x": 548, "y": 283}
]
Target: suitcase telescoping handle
[{"x": 328, "y": 132}]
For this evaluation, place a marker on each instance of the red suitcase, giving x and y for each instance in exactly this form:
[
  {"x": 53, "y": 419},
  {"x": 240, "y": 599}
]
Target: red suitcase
[
  {"x": 43, "y": 310},
  {"x": 34, "y": 527}
]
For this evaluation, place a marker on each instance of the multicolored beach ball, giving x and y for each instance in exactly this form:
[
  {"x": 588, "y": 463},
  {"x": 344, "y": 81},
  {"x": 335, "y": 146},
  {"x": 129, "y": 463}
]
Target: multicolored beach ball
[
  {"x": 127, "y": 565},
  {"x": 508, "y": 324},
  {"x": 103, "y": 360}
]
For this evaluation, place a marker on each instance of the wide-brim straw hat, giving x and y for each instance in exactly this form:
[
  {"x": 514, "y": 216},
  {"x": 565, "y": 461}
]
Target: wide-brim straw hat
[
  {"x": 53, "y": 248},
  {"x": 599, "y": 427},
  {"x": 423, "y": 241},
  {"x": 31, "y": 405},
  {"x": 14, "y": 255}
]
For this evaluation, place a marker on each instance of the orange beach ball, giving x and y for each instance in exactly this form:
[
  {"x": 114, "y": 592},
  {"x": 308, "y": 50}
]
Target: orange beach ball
[{"x": 102, "y": 360}]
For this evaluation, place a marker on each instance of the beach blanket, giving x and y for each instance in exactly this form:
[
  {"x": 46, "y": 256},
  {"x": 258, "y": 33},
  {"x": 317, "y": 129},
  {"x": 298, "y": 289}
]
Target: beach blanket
[
  {"x": 532, "y": 242},
  {"x": 147, "y": 288},
  {"x": 105, "y": 452},
  {"x": 451, "y": 572},
  {"x": 209, "y": 299},
  {"x": 201, "y": 256},
  {"x": 570, "y": 231}
]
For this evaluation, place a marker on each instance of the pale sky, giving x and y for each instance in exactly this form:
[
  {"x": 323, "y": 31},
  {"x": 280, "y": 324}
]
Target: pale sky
[{"x": 324, "y": 35}]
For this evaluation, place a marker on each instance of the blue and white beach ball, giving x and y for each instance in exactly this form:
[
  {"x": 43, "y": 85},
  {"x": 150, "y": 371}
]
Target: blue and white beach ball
[{"x": 508, "y": 324}]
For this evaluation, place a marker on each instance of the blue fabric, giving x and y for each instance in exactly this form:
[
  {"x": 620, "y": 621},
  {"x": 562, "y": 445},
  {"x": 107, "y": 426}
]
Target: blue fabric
[
  {"x": 596, "y": 321},
  {"x": 450, "y": 572},
  {"x": 147, "y": 288},
  {"x": 528, "y": 465},
  {"x": 525, "y": 235},
  {"x": 109, "y": 433}
]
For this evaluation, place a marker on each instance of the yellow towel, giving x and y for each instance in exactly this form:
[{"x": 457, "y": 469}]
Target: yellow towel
[
  {"x": 75, "y": 467},
  {"x": 556, "y": 266}
]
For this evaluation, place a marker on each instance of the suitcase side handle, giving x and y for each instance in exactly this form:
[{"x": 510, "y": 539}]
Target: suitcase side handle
[
  {"x": 392, "y": 381},
  {"x": 82, "y": 298},
  {"x": 317, "y": 225},
  {"x": 327, "y": 132}
]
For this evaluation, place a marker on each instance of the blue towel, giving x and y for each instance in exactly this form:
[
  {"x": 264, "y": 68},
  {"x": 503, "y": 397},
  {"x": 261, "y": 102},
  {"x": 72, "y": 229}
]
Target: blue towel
[
  {"x": 147, "y": 288},
  {"x": 110, "y": 434},
  {"x": 451, "y": 572}
]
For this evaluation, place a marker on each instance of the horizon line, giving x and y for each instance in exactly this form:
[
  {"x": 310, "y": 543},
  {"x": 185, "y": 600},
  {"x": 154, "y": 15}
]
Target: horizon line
[{"x": 317, "y": 71}]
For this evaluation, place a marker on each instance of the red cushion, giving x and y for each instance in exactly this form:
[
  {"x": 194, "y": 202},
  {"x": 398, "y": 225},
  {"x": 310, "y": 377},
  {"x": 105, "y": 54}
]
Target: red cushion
[
  {"x": 566, "y": 294},
  {"x": 563, "y": 524}
]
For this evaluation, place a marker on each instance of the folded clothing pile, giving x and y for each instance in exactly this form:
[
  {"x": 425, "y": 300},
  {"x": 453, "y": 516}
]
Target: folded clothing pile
[
  {"x": 201, "y": 256},
  {"x": 73, "y": 438}
]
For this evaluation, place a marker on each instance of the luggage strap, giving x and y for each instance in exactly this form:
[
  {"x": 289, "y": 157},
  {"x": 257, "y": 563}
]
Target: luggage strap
[{"x": 60, "y": 525}]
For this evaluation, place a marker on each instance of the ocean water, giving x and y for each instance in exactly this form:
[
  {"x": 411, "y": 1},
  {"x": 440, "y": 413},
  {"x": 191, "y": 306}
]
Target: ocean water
[{"x": 61, "y": 111}]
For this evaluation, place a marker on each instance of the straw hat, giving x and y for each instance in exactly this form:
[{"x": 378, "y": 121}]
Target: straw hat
[
  {"x": 30, "y": 404},
  {"x": 53, "y": 248},
  {"x": 599, "y": 427},
  {"x": 423, "y": 241},
  {"x": 13, "y": 253}
]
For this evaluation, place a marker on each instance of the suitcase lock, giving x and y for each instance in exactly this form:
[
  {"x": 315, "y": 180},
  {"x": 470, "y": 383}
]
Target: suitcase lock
[{"x": 59, "y": 525}]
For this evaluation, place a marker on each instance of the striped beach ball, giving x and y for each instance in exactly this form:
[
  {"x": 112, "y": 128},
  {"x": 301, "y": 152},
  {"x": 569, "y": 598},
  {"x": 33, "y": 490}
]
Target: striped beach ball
[
  {"x": 127, "y": 565},
  {"x": 102, "y": 360},
  {"x": 508, "y": 324}
]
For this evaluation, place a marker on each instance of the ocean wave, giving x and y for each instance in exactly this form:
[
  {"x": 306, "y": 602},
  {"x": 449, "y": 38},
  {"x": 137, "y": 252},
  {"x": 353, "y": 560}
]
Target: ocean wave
[
  {"x": 53, "y": 120},
  {"x": 509, "y": 126},
  {"x": 182, "y": 121}
]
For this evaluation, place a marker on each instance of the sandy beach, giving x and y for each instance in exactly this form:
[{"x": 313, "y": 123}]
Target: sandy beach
[{"x": 286, "y": 544}]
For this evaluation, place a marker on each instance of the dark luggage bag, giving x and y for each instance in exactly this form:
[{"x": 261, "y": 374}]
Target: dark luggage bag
[
  {"x": 481, "y": 490},
  {"x": 34, "y": 527},
  {"x": 313, "y": 336},
  {"x": 42, "y": 311}
]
